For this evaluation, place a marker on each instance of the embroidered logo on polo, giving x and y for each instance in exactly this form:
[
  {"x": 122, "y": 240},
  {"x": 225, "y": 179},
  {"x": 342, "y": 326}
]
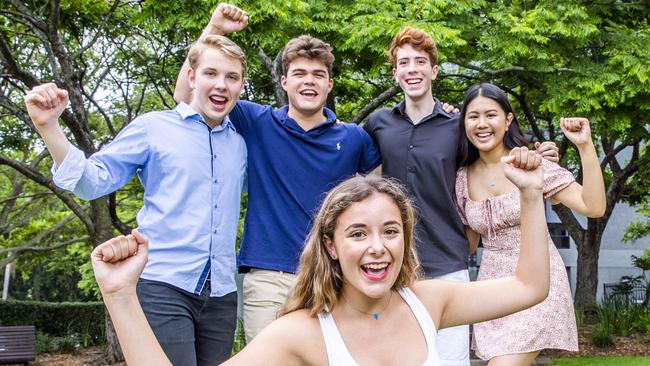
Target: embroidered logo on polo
[{"x": 338, "y": 146}]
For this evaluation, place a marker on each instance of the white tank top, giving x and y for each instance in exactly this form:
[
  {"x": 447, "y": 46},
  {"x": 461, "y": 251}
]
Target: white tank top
[{"x": 338, "y": 354}]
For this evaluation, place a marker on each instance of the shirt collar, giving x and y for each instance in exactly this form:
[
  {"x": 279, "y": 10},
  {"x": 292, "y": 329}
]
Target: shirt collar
[
  {"x": 187, "y": 113},
  {"x": 283, "y": 114},
  {"x": 437, "y": 109}
]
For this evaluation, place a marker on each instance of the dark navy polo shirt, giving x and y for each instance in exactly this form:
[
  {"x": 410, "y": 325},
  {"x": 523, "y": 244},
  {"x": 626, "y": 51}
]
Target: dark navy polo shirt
[
  {"x": 289, "y": 172},
  {"x": 423, "y": 158}
]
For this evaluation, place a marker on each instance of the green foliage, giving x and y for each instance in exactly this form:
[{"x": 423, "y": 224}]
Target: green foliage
[
  {"x": 619, "y": 317},
  {"x": 642, "y": 322},
  {"x": 638, "y": 229},
  {"x": 580, "y": 316},
  {"x": 240, "y": 338},
  {"x": 84, "y": 322},
  {"x": 53, "y": 344},
  {"x": 553, "y": 57},
  {"x": 601, "y": 336}
]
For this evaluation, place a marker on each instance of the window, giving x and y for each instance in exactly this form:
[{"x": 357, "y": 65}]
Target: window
[{"x": 559, "y": 235}]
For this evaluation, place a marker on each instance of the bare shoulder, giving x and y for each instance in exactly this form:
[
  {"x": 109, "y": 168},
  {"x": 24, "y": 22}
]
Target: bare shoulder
[
  {"x": 299, "y": 335},
  {"x": 434, "y": 295}
]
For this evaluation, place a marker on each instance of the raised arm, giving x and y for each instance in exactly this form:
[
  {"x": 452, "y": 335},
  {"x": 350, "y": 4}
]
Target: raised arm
[
  {"x": 589, "y": 198},
  {"x": 225, "y": 19},
  {"x": 45, "y": 104},
  {"x": 455, "y": 303},
  {"x": 118, "y": 264}
]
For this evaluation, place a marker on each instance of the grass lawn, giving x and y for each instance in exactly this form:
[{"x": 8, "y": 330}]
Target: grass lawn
[{"x": 602, "y": 361}]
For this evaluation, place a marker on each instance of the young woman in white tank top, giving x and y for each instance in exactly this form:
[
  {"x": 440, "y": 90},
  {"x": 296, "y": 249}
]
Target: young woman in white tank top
[{"x": 359, "y": 262}]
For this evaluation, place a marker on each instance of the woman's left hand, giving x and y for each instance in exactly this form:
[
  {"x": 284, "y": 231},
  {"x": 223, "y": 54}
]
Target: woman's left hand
[{"x": 576, "y": 129}]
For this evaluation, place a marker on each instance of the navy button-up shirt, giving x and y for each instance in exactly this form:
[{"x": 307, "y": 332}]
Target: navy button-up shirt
[
  {"x": 192, "y": 177},
  {"x": 423, "y": 157}
]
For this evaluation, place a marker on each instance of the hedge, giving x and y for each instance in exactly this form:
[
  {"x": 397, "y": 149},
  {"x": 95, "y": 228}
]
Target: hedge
[{"x": 85, "y": 319}]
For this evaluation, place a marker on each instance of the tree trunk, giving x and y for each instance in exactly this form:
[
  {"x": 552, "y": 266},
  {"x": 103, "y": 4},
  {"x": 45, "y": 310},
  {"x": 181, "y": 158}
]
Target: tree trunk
[
  {"x": 113, "y": 352},
  {"x": 36, "y": 284},
  {"x": 587, "y": 274},
  {"x": 104, "y": 231}
]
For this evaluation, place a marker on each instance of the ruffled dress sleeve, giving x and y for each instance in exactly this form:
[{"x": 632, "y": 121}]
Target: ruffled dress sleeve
[
  {"x": 556, "y": 178},
  {"x": 461, "y": 193}
]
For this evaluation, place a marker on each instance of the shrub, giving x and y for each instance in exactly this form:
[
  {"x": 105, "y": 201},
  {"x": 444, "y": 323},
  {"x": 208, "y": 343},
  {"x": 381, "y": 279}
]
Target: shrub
[
  {"x": 642, "y": 322},
  {"x": 65, "y": 324},
  {"x": 580, "y": 316},
  {"x": 53, "y": 344},
  {"x": 240, "y": 338},
  {"x": 601, "y": 336}
]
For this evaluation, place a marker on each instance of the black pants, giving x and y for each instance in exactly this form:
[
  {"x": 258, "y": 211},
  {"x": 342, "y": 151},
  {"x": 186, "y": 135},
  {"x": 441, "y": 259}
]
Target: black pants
[{"x": 193, "y": 330}]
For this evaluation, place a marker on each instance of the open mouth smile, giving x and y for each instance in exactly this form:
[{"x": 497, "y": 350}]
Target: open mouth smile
[
  {"x": 218, "y": 101},
  {"x": 375, "y": 271}
]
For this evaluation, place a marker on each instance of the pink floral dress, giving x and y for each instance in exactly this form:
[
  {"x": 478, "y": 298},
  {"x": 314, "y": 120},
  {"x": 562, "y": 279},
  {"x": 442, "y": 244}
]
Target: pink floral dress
[{"x": 550, "y": 324}]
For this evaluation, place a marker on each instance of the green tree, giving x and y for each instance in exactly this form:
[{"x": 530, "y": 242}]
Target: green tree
[
  {"x": 119, "y": 58},
  {"x": 87, "y": 48},
  {"x": 576, "y": 58}
]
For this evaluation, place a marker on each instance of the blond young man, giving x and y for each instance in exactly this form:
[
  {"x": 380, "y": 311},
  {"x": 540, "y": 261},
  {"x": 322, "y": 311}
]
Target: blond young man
[
  {"x": 192, "y": 165},
  {"x": 296, "y": 153}
]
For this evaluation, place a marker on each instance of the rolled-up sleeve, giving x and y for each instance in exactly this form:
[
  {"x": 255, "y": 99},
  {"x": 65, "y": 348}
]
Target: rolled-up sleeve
[{"x": 106, "y": 170}]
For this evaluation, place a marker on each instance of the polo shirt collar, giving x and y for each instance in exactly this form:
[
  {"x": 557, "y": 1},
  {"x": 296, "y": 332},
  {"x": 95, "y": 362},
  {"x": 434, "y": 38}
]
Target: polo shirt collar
[
  {"x": 187, "y": 113},
  {"x": 283, "y": 114}
]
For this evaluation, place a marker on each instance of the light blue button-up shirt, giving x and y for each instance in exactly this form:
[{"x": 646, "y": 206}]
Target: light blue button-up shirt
[{"x": 192, "y": 177}]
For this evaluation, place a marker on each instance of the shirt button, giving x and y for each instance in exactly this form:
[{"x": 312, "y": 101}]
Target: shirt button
[
  {"x": 411, "y": 169},
  {"x": 216, "y": 205},
  {"x": 410, "y": 146},
  {"x": 214, "y": 231},
  {"x": 214, "y": 156},
  {"x": 216, "y": 180}
]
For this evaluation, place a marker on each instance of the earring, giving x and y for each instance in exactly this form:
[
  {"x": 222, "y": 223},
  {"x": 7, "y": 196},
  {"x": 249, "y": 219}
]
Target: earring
[
  {"x": 506, "y": 129},
  {"x": 334, "y": 257}
]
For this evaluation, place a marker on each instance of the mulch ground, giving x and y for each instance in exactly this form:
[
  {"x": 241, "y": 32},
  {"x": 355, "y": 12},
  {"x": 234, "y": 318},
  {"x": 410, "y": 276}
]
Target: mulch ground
[
  {"x": 635, "y": 345},
  {"x": 81, "y": 357}
]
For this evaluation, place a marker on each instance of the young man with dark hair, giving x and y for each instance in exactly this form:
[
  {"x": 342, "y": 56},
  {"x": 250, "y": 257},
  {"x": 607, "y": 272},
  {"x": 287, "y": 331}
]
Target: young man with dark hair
[
  {"x": 418, "y": 142},
  {"x": 192, "y": 165},
  {"x": 296, "y": 153}
]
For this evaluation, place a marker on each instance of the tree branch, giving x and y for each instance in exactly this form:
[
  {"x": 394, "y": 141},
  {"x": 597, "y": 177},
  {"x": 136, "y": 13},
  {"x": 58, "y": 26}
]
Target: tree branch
[
  {"x": 98, "y": 32},
  {"x": 117, "y": 223},
  {"x": 29, "y": 16},
  {"x": 32, "y": 244},
  {"x": 16, "y": 252},
  {"x": 569, "y": 220},
  {"x": 501, "y": 71},
  {"x": 274, "y": 68},
  {"x": 63, "y": 195},
  {"x": 11, "y": 66},
  {"x": 373, "y": 104},
  {"x": 527, "y": 112},
  {"x": 611, "y": 154}
]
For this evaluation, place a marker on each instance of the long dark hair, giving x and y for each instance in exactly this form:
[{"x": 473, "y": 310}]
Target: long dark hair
[{"x": 468, "y": 153}]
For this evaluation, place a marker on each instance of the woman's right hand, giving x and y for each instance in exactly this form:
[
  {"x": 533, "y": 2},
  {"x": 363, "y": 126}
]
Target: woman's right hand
[
  {"x": 118, "y": 263},
  {"x": 523, "y": 168}
]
